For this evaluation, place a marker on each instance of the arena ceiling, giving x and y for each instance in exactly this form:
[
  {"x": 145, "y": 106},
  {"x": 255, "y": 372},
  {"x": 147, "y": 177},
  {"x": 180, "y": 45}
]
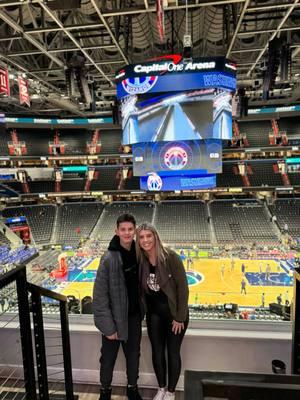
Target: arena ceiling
[{"x": 39, "y": 37}]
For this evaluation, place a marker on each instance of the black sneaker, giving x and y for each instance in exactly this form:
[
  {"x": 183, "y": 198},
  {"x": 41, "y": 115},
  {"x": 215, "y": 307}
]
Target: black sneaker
[
  {"x": 133, "y": 393},
  {"x": 105, "y": 394}
]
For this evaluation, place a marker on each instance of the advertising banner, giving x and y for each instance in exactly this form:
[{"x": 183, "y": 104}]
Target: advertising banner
[
  {"x": 4, "y": 82},
  {"x": 23, "y": 91}
]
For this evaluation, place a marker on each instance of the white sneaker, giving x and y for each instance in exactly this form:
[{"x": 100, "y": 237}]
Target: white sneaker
[
  {"x": 160, "y": 395},
  {"x": 169, "y": 396}
]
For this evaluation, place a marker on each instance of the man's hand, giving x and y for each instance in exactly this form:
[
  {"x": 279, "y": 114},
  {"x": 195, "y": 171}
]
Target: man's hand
[
  {"x": 177, "y": 327},
  {"x": 114, "y": 336}
]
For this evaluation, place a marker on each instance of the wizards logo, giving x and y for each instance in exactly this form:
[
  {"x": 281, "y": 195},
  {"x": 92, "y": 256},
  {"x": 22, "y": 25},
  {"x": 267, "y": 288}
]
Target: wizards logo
[{"x": 139, "y": 84}]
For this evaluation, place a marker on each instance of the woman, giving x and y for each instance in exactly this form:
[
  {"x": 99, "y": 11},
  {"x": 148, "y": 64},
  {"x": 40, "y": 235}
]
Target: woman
[{"x": 165, "y": 298}]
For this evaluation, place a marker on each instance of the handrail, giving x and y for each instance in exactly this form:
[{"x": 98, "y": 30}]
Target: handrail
[
  {"x": 36, "y": 293},
  {"x": 46, "y": 292},
  {"x": 11, "y": 276},
  {"x": 18, "y": 275}
]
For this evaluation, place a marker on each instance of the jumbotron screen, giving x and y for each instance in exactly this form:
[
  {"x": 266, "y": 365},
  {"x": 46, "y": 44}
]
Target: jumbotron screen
[
  {"x": 203, "y": 157},
  {"x": 192, "y": 115},
  {"x": 165, "y": 100}
]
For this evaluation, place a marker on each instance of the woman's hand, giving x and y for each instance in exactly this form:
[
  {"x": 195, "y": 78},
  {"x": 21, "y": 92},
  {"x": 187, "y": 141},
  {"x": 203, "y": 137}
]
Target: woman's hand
[
  {"x": 114, "y": 336},
  {"x": 177, "y": 327}
]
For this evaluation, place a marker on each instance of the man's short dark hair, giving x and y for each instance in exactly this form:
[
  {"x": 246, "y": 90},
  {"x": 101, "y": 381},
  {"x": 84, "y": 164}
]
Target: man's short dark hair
[{"x": 126, "y": 218}]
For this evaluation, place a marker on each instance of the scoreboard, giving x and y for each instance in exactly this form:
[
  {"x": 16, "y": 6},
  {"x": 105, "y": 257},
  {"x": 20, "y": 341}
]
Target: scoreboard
[{"x": 175, "y": 115}]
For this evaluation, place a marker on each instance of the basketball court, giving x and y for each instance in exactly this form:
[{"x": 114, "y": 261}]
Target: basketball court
[{"x": 211, "y": 281}]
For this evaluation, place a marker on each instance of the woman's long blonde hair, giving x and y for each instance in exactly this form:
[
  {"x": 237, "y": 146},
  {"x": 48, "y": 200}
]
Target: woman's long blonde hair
[{"x": 160, "y": 250}]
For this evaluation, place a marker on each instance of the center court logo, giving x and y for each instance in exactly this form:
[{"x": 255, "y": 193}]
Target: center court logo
[
  {"x": 139, "y": 84},
  {"x": 194, "y": 277},
  {"x": 154, "y": 182}
]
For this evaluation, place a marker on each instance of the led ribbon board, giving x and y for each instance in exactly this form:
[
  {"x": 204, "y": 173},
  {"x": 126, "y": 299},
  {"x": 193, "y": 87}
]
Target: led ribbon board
[
  {"x": 75, "y": 168},
  {"x": 176, "y": 75},
  {"x": 155, "y": 182}
]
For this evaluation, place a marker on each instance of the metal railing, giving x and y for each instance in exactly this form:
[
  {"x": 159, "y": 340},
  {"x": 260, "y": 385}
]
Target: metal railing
[{"x": 18, "y": 275}]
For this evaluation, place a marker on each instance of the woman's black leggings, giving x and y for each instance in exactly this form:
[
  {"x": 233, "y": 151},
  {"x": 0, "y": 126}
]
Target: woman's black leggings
[{"x": 161, "y": 337}]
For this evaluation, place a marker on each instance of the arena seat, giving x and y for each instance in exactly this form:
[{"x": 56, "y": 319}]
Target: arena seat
[
  {"x": 263, "y": 174},
  {"x": 142, "y": 211},
  {"x": 46, "y": 259},
  {"x": 228, "y": 178},
  {"x": 41, "y": 186},
  {"x": 4, "y": 138},
  {"x": 39, "y": 217},
  {"x": 257, "y": 132},
  {"x": 37, "y": 140},
  {"x": 75, "y": 221},
  {"x": 178, "y": 221},
  {"x": 3, "y": 239},
  {"x": 15, "y": 185},
  {"x": 291, "y": 126},
  {"x": 16, "y": 256},
  {"x": 287, "y": 211},
  {"x": 132, "y": 183},
  {"x": 294, "y": 178},
  {"x": 110, "y": 141},
  {"x": 106, "y": 179},
  {"x": 75, "y": 140},
  {"x": 237, "y": 222},
  {"x": 72, "y": 185}
]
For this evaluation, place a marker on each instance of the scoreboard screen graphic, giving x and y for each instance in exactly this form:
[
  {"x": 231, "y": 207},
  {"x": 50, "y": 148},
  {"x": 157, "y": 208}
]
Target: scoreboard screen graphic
[
  {"x": 203, "y": 156},
  {"x": 175, "y": 74},
  {"x": 195, "y": 115},
  {"x": 156, "y": 182},
  {"x": 168, "y": 99}
]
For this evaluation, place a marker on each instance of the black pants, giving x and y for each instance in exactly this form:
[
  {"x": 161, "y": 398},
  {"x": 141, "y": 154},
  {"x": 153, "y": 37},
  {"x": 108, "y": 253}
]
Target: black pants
[
  {"x": 131, "y": 349},
  {"x": 161, "y": 337}
]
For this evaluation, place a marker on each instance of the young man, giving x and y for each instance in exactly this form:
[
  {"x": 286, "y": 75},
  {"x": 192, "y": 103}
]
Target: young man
[{"x": 116, "y": 306}]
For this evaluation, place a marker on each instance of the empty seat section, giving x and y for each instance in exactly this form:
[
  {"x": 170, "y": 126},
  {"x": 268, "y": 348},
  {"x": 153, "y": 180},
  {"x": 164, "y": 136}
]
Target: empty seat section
[
  {"x": 291, "y": 126},
  {"x": 72, "y": 185},
  {"x": 287, "y": 211},
  {"x": 132, "y": 183},
  {"x": 294, "y": 178},
  {"x": 257, "y": 132},
  {"x": 110, "y": 141},
  {"x": 16, "y": 186},
  {"x": 142, "y": 211},
  {"x": 263, "y": 174},
  {"x": 237, "y": 222},
  {"x": 4, "y": 138},
  {"x": 182, "y": 221},
  {"x": 107, "y": 179},
  {"x": 228, "y": 178},
  {"x": 3, "y": 239},
  {"x": 75, "y": 140},
  {"x": 39, "y": 218},
  {"x": 76, "y": 221},
  {"x": 44, "y": 186},
  {"x": 36, "y": 140}
]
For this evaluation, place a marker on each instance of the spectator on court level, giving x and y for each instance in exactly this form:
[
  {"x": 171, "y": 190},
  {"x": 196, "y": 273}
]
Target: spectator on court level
[
  {"x": 222, "y": 270},
  {"x": 263, "y": 300},
  {"x": 243, "y": 268},
  {"x": 286, "y": 298},
  {"x": 243, "y": 286},
  {"x": 268, "y": 271}
]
